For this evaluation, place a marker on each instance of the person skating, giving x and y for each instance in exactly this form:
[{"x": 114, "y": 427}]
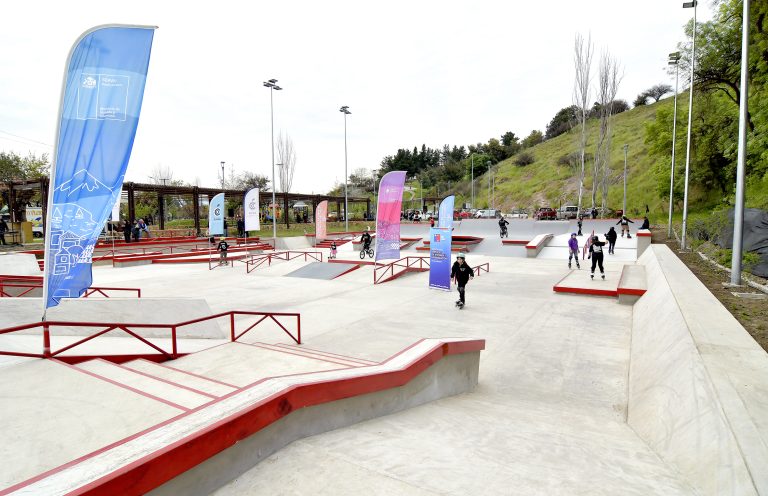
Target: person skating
[
  {"x": 579, "y": 224},
  {"x": 222, "y": 249},
  {"x": 573, "y": 250},
  {"x": 333, "y": 249},
  {"x": 596, "y": 254},
  {"x": 461, "y": 273},
  {"x": 611, "y": 237},
  {"x": 624, "y": 221}
]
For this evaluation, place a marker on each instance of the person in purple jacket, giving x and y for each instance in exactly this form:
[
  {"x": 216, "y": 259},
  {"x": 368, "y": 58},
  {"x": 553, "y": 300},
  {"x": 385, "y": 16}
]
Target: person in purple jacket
[{"x": 573, "y": 250}]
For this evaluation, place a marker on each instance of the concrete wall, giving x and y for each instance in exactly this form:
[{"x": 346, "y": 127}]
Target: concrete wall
[
  {"x": 699, "y": 412},
  {"x": 293, "y": 243},
  {"x": 17, "y": 311},
  {"x": 452, "y": 375},
  {"x": 19, "y": 264}
]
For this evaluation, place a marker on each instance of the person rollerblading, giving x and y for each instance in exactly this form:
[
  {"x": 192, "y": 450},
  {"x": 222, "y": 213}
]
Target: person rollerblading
[
  {"x": 573, "y": 250},
  {"x": 596, "y": 254}
]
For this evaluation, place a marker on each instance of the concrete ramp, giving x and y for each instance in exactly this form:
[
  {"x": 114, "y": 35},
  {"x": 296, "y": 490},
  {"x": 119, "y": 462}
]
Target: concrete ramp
[
  {"x": 19, "y": 264},
  {"x": 325, "y": 271},
  {"x": 15, "y": 311},
  {"x": 698, "y": 382}
]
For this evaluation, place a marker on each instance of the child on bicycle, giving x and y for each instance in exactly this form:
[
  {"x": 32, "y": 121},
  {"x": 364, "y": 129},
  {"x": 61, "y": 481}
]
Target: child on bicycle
[
  {"x": 503, "y": 226},
  {"x": 366, "y": 240}
]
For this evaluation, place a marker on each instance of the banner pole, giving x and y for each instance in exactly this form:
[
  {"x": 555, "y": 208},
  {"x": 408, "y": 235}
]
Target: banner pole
[{"x": 54, "y": 156}]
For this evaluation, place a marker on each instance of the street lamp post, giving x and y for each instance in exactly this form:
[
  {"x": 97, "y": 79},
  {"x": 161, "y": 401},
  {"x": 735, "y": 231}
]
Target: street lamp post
[
  {"x": 738, "y": 213},
  {"x": 626, "y": 148},
  {"x": 472, "y": 159},
  {"x": 222, "y": 174},
  {"x": 688, "y": 5},
  {"x": 272, "y": 85},
  {"x": 490, "y": 172},
  {"x": 674, "y": 59},
  {"x": 345, "y": 110}
]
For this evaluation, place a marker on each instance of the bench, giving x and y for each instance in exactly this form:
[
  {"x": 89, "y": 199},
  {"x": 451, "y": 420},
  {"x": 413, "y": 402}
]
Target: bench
[
  {"x": 535, "y": 245},
  {"x": 632, "y": 284}
]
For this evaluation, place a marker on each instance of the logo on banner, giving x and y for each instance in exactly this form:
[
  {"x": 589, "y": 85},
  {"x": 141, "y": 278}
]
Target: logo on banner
[
  {"x": 89, "y": 82},
  {"x": 437, "y": 238},
  {"x": 252, "y": 205},
  {"x": 217, "y": 211}
]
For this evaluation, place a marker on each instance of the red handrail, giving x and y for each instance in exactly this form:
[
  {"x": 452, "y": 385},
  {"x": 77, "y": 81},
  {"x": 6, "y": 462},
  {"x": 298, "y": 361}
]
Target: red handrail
[
  {"x": 408, "y": 264},
  {"x": 257, "y": 260},
  {"x": 132, "y": 328},
  {"x": 482, "y": 267},
  {"x": 30, "y": 283}
]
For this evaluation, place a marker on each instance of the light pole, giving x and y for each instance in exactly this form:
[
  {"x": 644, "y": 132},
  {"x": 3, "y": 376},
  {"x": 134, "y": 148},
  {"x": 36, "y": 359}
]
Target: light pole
[
  {"x": 345, "y": 110},
  {"x": 488, "y": 163},
  {"x": 738, "y": 213},
  {"x": 674, "y": 59},
  {"x": 472, "y": 160},
  {"x": 222, "y": 174},
  {"x": 272, "y": 85},
  {"x": 626, "y": 148},
  {"x": 688, "y": 5}
]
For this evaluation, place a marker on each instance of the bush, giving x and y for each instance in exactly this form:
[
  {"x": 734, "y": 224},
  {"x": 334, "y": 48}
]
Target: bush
[{"x": 524, "y": 159}]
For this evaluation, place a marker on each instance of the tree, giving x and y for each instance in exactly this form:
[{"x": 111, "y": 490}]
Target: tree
[
  {"x": 286, "y": 166},
  {"x": 524, "y": 159},
  {"x": 248, "y": 180},
  {"x": 619, "y": 106},
  {"x": 532, "y": 139},
  {"x": 641, "y": 99},
  {"x": 609, "y": 78},
  {"x": 163, "y": 174},
  {"x": 14, "y": 167},
  {"x": 658, "y": 91},
  {"x": 582, "y": 59},
  {"x": 562, "y": 122}
]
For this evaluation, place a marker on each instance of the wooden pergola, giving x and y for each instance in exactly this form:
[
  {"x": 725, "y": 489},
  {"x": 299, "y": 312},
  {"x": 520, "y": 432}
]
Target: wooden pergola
[{"x": 19, "y": 193}]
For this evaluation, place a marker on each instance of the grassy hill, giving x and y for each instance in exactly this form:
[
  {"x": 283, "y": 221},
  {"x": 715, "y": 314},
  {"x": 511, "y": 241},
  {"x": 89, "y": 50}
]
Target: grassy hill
[{"x": 548, "y": 181}]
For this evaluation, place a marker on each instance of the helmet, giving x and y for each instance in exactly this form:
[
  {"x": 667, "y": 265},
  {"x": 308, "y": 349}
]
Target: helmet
[
  {"x": 595, "y": 238},
  {"x": 573, "y": 234},
  {"x": 461, "y": 256}
]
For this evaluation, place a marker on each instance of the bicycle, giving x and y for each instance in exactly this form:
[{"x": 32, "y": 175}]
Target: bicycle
[
  {"x": 504, "y": 233},
  {"x": 365, "y": 250}
]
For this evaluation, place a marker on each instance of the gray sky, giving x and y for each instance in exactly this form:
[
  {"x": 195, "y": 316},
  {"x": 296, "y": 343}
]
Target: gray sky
[{"x": 431, "y": 72}]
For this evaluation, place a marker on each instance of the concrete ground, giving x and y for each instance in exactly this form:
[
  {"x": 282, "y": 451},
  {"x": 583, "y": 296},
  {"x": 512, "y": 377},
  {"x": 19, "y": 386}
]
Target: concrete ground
[{"x": 549, "y": 415}]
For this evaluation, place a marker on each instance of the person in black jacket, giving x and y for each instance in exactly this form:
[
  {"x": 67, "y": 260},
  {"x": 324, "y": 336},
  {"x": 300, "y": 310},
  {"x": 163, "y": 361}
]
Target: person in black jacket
[
  {"x": 646, "y": 223},
  {"x": 624, "y": 221},
  {"x": 127, "y": 230},
  {"x": 462, "y": 273},
  {"x": 596, "y": 254},
  {"x": 611, "y": 237},
  {"x": 222, "y": 248}
]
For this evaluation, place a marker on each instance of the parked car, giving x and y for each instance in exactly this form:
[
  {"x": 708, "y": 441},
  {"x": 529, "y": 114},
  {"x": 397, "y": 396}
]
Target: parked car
[
  {"x": 568, "y": 212},
  {"x": 463, "y": 214},
  {"x": 518, "y": 214},
  {"x": 487, "y": 214},
  {"x": 546, "y": 213}
]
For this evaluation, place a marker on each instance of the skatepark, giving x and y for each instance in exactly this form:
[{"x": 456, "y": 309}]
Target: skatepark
[{"x": 284, "y": 372}]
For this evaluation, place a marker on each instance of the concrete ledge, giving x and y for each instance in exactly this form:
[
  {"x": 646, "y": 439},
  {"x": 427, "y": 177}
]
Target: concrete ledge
[
  {"x": 643, "y": 241},
  {"x": 515, "y": 241},
  {"x": 632, "y": 284},
  {"x": 536, "y": 244},
  {"x": 698, "y": 383},
  {"x": 219, "y": 441},
  {"x": 19, "y": 264}
]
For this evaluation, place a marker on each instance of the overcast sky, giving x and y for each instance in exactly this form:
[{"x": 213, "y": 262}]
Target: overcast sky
[{"x": 412, "y": 72}]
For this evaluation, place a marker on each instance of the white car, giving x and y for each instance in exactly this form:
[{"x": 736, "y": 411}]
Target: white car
[
  {"x": 486, "y": 214},
  {"x": 518, "y": 214}
]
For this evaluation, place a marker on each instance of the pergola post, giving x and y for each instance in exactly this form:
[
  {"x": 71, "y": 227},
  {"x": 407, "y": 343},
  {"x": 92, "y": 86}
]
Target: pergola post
[
  {"x": 161, "y": 210},
  {"x": 196, "y": 209},
  {"x": 131, "y": 203}
]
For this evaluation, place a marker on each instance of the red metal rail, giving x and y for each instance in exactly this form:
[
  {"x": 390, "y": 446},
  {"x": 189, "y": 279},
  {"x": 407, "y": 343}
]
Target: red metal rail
[
  {"x": 134, "y": 329},
  {"x": 387, "y": 272},
  {"x": 27, "y": 284},
  {"x": 258, "y": 260},
  {"x": 482, "y": 267}
]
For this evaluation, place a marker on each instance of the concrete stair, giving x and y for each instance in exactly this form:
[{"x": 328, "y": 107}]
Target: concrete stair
[
  {"x": 163, "y": 390},
  {"x": 168, "y": 373}
]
